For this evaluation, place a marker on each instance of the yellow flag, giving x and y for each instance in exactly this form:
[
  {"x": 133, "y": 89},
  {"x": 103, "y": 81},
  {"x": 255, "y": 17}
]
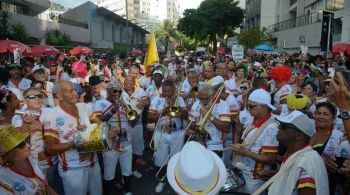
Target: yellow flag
[{"x": 152, "y": 54}]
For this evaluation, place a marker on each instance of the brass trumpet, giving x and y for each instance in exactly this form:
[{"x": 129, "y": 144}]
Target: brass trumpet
[
  {"x": 131, "y": 114},
  {"x": 199, "y": 130},
  {"x": 172, "y": 112}
]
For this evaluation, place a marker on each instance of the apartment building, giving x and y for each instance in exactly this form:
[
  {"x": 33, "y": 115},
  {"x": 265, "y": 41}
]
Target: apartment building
[{"x": 259, "y": 13}]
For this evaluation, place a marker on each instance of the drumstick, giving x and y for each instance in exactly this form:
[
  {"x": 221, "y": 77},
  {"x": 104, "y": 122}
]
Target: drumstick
[{"x": 231, "y": 147}]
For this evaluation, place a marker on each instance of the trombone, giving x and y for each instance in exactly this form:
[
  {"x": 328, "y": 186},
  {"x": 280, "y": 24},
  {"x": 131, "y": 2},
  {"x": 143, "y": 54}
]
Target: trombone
[
  {"x": 172, "y": 111},
  {"x": 199, "y": 129},
  {"x": 131, "y": 114}
]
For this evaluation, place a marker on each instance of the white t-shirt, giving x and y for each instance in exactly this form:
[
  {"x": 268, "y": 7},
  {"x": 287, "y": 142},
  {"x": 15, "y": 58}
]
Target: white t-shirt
[
  {"x": 37, "y": 144},
  {"x": 265, "y": 143},
  {"x": 12, "y": 182},
  {"x": 281, "y": 94},
  {"x": 22, "y": 85},
  {"x": 62, "y": 126},
  {"x": 152, "y": 91},
  {"x": 118, "y": 121},
  {"x": 171, "y": 69},
  {"x": 138, "y": 94},
  {"x": 158, "y": 104},
  {"x": 220, "y": 111}
]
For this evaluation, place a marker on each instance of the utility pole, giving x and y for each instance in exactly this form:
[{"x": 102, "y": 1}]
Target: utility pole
[{"x": 127, "y": 27}]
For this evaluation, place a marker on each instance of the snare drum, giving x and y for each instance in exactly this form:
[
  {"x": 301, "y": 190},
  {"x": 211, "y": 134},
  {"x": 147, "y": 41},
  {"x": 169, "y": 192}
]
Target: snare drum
[{"x": 93, "y": 138}]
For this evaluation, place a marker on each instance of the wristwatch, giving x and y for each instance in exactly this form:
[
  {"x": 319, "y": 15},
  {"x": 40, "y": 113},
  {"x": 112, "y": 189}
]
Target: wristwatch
[{"x": 345, "y": 115}]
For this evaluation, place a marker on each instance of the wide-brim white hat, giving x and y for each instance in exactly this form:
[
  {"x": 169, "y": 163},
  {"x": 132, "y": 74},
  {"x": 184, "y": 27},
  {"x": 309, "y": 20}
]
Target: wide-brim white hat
[{"x": 217, "y": 183}]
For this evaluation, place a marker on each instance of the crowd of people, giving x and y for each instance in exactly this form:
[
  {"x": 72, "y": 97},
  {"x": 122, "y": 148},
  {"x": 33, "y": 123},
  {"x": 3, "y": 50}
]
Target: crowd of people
[{"x": 277, "y": 122}]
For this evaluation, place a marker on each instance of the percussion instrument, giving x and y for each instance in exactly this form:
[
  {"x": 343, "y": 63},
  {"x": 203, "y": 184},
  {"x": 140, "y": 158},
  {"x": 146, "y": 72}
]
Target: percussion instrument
[{"x": 93, "y": 138}]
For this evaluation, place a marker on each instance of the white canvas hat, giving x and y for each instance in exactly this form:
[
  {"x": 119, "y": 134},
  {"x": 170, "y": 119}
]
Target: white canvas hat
[
  {"x": 196, "y": 170},
  {"x": 300, "y": 121},
  {"x": 257, "y": 64},
  {"x": 262, "y": 97}
]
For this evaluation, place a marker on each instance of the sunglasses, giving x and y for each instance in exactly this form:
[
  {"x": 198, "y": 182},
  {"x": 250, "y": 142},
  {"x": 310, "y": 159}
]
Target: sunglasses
[
  {"x": 23, "y": 144},
  {"x": 116, "y": 91},
  {"x": 244, "y": 88},
  {"x": 34, "y": 96}
]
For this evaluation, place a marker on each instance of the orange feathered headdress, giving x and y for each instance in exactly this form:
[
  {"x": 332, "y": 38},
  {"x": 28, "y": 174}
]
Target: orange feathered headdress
[{"x": 281, "y": 73}]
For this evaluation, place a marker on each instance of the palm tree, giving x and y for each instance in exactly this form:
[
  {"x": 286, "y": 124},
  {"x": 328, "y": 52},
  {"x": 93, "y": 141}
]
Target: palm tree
[
  {"x": 166, "y": 32},
  {"x": 57, "y": 38},
  {"x": 19, "y": 32},
  {"x": 4, "y": 25}
]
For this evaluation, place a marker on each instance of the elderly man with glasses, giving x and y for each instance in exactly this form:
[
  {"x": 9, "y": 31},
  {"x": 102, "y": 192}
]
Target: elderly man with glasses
[{"x": 258, "y": 149}]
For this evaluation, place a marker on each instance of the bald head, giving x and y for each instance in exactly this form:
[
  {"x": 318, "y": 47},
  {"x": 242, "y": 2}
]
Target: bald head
[
  {"x": 66, "y": 92},
  {"x": 129, "y": 82}
]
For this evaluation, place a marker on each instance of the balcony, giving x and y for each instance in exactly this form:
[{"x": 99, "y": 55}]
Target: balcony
[
  {"x": 296, "y": 22},
  {"x": 292, "y": 2}
]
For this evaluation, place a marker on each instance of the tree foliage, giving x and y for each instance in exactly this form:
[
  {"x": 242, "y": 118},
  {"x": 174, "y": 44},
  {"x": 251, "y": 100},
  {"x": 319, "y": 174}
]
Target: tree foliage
[
  {"x": 212, "y": 19},
  {"x": 254, "y": 37},
  {"x": 4, "y": 25},
  {"x": 166, "y": 33},
  {"x": 57, "y": 38},
  {"x": 19, "y": 32}
]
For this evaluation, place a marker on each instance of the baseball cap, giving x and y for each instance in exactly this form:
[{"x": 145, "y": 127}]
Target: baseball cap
[
  {"x": 299, "y": 120},
  {"x": 114, "y": 85},
  {"x": 262, "y": 97},
  {"x": 257, "y": 64},
  {"x": 158, "y": 72},
  {"x": 15, "y": 65},
  {"x": 38, "y": 67}
]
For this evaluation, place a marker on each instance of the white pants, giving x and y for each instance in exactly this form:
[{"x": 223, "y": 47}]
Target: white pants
[
  {"x": 164, "y": 144},
  {"x": 137, "y": 139},
  {"x": 251, "y": 184},
  {"x": 79, "y": 181},
  {"x": 110, "y": 160}
]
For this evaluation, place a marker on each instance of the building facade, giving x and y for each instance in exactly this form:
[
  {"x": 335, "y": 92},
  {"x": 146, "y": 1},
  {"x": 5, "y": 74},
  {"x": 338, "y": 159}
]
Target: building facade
[
  {"x": 259, "y": 13},
  {"x": 86, "y": 24},
  {"x": 146, "y": 13},
  {"x": 299, "y": 22}
]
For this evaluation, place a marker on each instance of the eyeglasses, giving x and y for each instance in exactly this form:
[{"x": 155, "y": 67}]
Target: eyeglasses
[
  {"x": 23, "y": 144},
  {"x": 34, "y": 96},
  {"x": 244, "y": 88}
]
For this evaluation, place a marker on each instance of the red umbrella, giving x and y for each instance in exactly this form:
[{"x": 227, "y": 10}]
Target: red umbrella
[
  {"x": 136, "y": 52},
  {"x": 341, "y": 48},
  {"x": 43, "y": 50},
  {"x": 10, "y": 45},
  {"x": 80, "y": 50}
]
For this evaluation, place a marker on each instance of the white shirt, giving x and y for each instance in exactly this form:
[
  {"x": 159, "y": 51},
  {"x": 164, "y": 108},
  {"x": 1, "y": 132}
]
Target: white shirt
[
  {"x": 62, "y": 126},
  {"x": 265, "y": 143},
  {"x": 281, "y": 94},
  {"x": 158, "y": 104},
  {"x": 118, "y": 121},
  {"x": 22, "y": 85},
  {"x": 171, "y": 69},
  {"x": 36, "y": 139},
  {"x": 12, "y": 182},
  {"x": 152, "y": 91},
  {"x": 138, "y": 94},
  {"x": 234, "y": 108},
  {"x": 220, "y": 111}
]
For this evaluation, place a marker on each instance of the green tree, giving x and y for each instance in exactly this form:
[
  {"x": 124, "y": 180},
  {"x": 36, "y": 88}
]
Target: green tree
[
  {"x": 254, "y": 37},
  {"x": 213, "y": 18},
  {"x": 57, "y": 38},
  {"x": 4, "y": 25},
  {"x": 19, "y": 32},
  {"x": 166, "y": 32}
]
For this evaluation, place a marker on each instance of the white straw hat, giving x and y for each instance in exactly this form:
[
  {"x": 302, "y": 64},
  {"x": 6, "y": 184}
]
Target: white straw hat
[{"x": 196, "y": 170}]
